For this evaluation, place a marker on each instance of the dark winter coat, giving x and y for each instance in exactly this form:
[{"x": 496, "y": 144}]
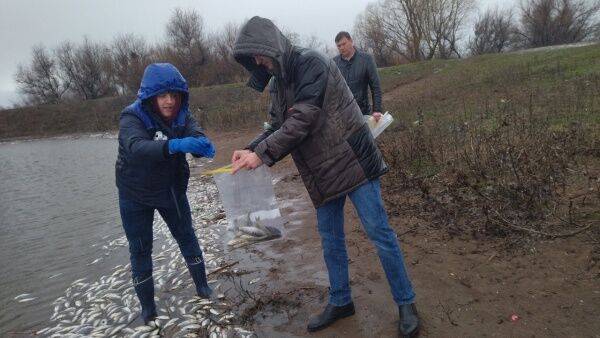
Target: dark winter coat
[
  {"x": 145, "y": 170},
  {"x": 360, "y": 72},
  {"x": 313, "y": 115}
]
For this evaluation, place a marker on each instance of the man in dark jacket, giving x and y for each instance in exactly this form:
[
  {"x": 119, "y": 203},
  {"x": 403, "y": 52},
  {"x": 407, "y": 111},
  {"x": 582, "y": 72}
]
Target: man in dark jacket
[
  {"x": 360, "y": 73},
  {"x": 155, "y": 133},
  {"x": 315, "y": 119}
]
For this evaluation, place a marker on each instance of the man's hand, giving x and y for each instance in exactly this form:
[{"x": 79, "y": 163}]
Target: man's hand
[
  {"x": 376, "y": 115},
  {"x": 237, "y": 154},
  {"x": 245, "y": 160}
]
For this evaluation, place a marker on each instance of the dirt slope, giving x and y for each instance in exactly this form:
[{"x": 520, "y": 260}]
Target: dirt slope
[{"x": 464, "y": 288}]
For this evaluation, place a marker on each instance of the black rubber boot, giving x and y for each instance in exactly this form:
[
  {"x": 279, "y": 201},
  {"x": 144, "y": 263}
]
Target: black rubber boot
[
  {"x": 144, "y": 288},
  {"x": 408, "y": 326},
  {"x": 329, "y": 316},
  {"x": 198, "y": 272}
]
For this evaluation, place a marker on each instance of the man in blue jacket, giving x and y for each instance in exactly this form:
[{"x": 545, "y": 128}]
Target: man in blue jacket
[
  {"x": 155, "y": 133},
  {"x": 360, "y": 72}
]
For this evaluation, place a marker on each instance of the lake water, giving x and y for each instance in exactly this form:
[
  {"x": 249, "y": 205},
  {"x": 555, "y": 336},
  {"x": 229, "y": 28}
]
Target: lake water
[{"x": 58, "y": 209}]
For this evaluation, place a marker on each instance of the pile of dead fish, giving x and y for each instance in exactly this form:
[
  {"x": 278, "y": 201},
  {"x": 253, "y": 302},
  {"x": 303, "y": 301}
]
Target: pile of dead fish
[{"x": 108, "y": 306}]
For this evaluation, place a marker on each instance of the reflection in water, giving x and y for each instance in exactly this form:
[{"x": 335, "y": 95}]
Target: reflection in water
[{"x": 58, "y": 210}]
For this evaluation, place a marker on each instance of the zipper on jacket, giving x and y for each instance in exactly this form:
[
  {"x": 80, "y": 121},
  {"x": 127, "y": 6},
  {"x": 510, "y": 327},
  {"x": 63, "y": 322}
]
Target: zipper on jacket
[{"x": 175, "y": 201}]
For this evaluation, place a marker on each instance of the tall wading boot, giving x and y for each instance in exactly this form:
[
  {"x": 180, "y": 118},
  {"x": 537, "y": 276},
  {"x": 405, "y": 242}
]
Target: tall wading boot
[
  {"x": 144, "y": 288},
  {"x": 408, "y": 326},
  {"x": 198, "y": 272},
  {"x": 329, "y": 316}
]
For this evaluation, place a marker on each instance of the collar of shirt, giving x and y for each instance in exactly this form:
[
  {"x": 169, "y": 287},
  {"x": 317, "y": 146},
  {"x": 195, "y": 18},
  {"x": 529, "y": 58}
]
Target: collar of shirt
[{"x": 351, "y": 56}]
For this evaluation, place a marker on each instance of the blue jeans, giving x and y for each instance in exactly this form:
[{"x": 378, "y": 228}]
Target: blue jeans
[
  {"x": 369, "y": 206},
  {"x": 137, "y": 221}
]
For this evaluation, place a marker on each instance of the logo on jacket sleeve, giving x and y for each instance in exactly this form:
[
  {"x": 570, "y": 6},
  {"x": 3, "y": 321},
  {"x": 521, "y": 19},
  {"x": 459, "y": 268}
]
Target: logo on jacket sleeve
[{"x": 159, "y": 136}]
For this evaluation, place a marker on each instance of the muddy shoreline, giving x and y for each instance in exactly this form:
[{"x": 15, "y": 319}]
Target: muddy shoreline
[{"x": 465, "y": 287}]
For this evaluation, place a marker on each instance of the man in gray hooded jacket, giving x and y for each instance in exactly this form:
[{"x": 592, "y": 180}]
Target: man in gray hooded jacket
[{"x": 315, "y": 118}]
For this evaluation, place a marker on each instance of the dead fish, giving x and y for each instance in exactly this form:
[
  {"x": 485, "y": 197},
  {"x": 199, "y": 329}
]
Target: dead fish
[
  {"x": 23, "y": 295},
  {"x": 95, "y": 261},
  {"x": 144, "y": 328},
  {"x": 252, "y": 231},
  {"x": 191, "y": 327},
  {"x": 170, "y": 322},
  {"x": 116, "y": 330}
]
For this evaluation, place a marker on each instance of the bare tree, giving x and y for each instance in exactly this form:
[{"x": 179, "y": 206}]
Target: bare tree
[
  {"x": 443, "y": 21},
  {"x": 403, "y": 25},
  {"x": 424, "y": 29},
  {"x": 224, "y": 41},
  {"x": 370, "y": 35},
  {"x": 187, "y": 43},
  {"x": 41, "y": 82},
  {"x": 312, "y": 42},
  {"x": 130, "y": 54},
  {"x": 494, "y": 32},
  {"x": 89, "y": 69},
  {"x": 552, "y": 22},
  {"x": 291, "y": 35},
  {"x": 223, "y": 67}
]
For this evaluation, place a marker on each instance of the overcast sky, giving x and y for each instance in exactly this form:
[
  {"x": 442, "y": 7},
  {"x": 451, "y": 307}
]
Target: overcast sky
[{"x": 25, "y": 23}]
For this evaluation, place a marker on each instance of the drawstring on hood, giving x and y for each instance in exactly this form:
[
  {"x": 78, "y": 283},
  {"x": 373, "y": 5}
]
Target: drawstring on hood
[{"x": 259, "y": 36}]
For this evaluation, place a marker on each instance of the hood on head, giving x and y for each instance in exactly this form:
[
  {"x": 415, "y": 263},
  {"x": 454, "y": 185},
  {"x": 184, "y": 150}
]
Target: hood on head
[
  {"x": 160, "y": 78},
  {"x": 259, "y": 36}
]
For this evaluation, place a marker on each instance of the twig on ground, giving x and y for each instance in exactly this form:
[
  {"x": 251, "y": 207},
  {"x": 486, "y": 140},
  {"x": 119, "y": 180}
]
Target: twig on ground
[
  {"x": 541, "y": 233},
  {"x": 407, "y": 231},
  {"x": 222, "y": 268},
  {"x": 491, "y": 257},
  {"x": 447, "y": 312}
]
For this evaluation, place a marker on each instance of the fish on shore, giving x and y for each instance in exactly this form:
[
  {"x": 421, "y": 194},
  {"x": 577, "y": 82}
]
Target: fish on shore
[
  {"x": 107, "y": 306},
  {"x": 23, "y": 295}
]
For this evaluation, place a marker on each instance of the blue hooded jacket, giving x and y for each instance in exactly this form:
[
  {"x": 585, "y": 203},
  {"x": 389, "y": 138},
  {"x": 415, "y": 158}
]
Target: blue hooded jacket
[{"x": 145, "y": 170}]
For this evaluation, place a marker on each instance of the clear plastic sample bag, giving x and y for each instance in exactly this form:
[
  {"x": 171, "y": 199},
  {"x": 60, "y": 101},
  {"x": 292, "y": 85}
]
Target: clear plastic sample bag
[{"x": 250, "y": 206}]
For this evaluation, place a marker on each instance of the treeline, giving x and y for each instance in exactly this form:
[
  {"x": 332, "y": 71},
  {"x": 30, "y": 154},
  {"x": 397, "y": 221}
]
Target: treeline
[
  {"x": 394, "y": 31},
  {"x": 397, "y": 31},
  {"x": 92, "y": 70}
]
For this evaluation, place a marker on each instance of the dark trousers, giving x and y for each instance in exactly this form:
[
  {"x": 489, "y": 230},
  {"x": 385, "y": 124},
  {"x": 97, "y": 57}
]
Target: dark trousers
[{"x": 137, "y": 221}]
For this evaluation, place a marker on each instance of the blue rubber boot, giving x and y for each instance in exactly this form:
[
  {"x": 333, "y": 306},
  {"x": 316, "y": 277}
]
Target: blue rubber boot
[
  {"x": 144, "y": 288},
  {"x": 198, "y": 272}
]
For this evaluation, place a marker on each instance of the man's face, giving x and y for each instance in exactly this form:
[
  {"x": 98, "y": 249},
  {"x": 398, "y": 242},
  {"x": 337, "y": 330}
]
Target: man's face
[
  {"x": 345, "y": 47},
  {"x": 168, "y": 104},
  {"x": 264, "y": 61}
]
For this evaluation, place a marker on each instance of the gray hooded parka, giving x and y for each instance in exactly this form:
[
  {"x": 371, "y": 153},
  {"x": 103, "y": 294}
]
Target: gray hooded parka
[{"x": 313, "y": 115}]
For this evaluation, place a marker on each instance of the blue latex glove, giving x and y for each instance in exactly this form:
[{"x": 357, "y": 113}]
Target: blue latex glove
[{"x": 194, "y": 145}]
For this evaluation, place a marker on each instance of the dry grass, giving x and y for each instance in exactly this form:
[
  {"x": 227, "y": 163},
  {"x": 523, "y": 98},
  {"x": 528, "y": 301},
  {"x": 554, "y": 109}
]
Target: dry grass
[{"x": 510, "y": 150}]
